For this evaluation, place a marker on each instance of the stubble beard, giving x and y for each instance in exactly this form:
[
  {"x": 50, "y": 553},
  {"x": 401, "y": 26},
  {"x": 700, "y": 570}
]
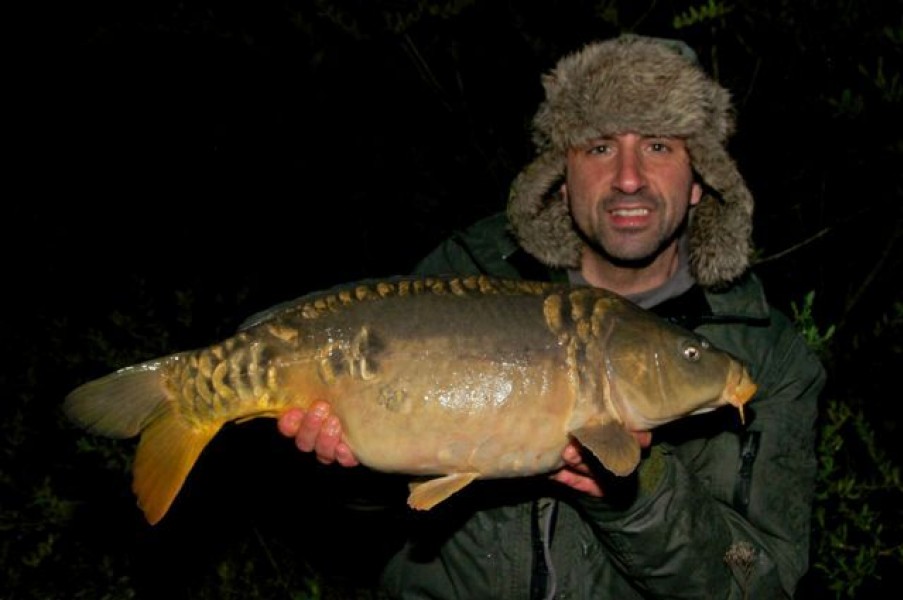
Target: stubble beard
[{"x": 617, "y": 247}]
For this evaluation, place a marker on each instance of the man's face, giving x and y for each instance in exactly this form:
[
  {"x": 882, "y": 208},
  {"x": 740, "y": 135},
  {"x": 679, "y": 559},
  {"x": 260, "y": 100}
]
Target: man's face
[{"x": 629, "y": 194}]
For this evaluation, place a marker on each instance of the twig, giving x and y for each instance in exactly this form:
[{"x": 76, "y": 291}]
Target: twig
[{"x": 794, "y": 247}]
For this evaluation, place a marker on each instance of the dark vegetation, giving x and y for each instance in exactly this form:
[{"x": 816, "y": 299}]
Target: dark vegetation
[{"x": 181, "y": 165}]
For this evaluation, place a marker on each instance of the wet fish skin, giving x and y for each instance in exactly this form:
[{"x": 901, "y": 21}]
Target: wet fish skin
[{"x": 451, "y": 378}]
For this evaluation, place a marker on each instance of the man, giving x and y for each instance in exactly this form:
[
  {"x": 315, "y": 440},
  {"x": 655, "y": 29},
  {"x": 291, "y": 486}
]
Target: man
[{"x": 632, "y": 190}]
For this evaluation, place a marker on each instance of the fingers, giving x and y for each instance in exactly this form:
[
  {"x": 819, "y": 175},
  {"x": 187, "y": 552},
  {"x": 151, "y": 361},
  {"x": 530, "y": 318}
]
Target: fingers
[
  {"x": 643, "y": 437},
  {"x": 311, "y": 424},
  {"x": 572, "y": 458},
  {"x": 329, "y": 447},
  {"x": 576, "y": 474},
  {"x": 578, "y": 481},
  {"x": 289, "y": 422},
  {"x": 344, "y": 456},
  {"x": 317, "y": 431}
]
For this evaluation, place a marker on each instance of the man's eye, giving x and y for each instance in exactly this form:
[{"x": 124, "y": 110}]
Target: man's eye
[
  {"x": 659, "y": 147},
  {"x": 600, "y": 149}
]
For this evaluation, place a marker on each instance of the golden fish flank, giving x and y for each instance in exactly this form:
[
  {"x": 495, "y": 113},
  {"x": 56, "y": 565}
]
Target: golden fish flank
[
  {"x": 217, "y": 381},
  {"x": 451, "y": 379}
]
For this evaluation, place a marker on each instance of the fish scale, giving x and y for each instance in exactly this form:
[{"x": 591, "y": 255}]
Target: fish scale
[
  {"x": 220, "y": 382},
  {"x": 446, "y": 379}
]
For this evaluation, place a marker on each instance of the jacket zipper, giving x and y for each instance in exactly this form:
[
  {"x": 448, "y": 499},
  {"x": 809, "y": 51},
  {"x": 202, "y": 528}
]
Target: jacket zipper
[{"x": 749, "y": 449}]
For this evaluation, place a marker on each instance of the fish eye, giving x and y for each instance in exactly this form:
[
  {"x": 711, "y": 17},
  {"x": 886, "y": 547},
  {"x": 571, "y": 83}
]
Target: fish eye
[{"x": 692, "y": 350}]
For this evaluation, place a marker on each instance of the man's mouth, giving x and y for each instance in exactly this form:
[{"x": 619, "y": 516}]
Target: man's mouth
[
  {"x": 630, "y": 217},
  {"x": 630, "y": 212}
]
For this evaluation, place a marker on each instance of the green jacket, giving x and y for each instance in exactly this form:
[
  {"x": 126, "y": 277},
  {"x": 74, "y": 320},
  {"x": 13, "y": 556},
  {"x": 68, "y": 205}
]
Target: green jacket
[{"x": 717, "y": 509}]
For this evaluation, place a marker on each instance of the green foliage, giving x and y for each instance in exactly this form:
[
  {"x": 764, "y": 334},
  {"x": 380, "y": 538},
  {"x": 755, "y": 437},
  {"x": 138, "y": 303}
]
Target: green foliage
[
  {"x": 877, "y": 78},
  {"x": 848, "y": 104},
  {"x": 365, "y": 19},
  {"x": 252, "y": 571},
  {"x": 888, "y": 84},
  {"x": 711, "y": 10},
  {"x": 858, "y": 488},
  {"x": 805, "y": 321}
]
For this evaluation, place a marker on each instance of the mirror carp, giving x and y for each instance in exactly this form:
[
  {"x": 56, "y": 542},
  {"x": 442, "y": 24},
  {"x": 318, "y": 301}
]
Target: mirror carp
[{"x": 446, "y": 379}]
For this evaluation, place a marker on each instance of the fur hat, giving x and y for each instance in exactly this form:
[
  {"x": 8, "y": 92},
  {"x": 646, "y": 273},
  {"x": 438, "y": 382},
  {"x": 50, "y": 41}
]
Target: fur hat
[{"x": 648, "y": 86}]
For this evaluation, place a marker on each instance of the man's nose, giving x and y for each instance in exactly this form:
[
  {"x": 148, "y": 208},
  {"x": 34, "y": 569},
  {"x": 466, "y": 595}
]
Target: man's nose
[{"x": 629, "y": 177}]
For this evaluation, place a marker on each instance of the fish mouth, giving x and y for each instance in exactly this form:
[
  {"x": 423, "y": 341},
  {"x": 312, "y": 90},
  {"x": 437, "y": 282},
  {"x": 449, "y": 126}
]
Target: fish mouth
[{"x": 739, "y": 388}]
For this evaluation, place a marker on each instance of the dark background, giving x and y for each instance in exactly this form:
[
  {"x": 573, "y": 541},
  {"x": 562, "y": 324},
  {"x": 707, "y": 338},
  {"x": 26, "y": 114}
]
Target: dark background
[{"x": 177, "y": 166}]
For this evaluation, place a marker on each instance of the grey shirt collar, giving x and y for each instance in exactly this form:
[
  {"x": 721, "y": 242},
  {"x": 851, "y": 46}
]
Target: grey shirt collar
[{"x": 676, "y": 285}]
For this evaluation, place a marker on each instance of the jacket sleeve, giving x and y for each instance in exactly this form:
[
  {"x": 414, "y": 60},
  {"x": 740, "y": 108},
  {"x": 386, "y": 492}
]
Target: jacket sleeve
[{"x": 723, "y": 517}]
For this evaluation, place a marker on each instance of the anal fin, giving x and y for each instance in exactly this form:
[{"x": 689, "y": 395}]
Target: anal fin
[{"x": 427, "y": 494}]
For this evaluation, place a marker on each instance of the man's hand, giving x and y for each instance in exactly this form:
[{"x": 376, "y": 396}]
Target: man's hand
[
  {"x": 577, "y": 474},
  {"x": 316, "y": 430}
]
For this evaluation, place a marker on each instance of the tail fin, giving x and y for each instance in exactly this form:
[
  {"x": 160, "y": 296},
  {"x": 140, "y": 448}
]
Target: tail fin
[
  {"x": 134, "y": 401},
  {"x": 168, "y": 449},
  {"x": 121, "y": 404}
]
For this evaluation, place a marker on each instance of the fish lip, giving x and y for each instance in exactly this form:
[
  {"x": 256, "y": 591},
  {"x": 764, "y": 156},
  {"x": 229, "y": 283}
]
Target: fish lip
[{"x": 739, "y": 387}]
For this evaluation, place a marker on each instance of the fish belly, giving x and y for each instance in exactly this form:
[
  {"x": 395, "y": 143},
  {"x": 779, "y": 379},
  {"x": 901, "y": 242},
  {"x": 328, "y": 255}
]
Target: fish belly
[
  {"x": 456, "y": 416},
  {"x": 434, "y": 384}
]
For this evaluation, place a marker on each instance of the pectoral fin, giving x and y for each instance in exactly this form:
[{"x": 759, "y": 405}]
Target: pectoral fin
[
  {"x": 427, "y": 494},
  {"x": 614, "y": 446}
]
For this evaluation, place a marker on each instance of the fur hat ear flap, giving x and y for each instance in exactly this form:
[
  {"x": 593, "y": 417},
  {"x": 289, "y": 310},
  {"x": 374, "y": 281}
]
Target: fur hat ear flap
[
  {"x": 539, "y": 215},
  {"x": 720, "y": 227}
]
